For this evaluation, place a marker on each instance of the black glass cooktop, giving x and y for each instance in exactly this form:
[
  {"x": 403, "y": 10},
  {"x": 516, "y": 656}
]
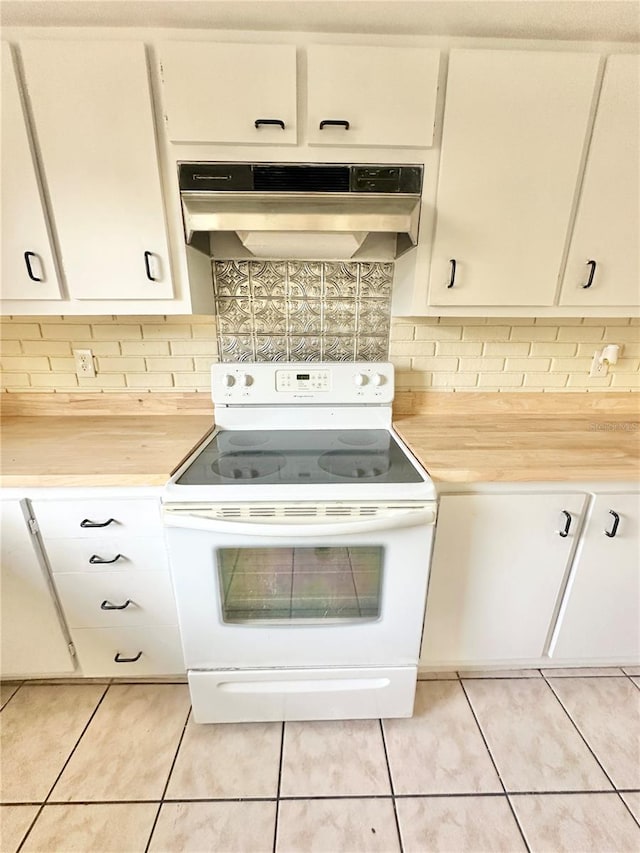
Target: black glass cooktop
[{"x": 300, "y": 456}]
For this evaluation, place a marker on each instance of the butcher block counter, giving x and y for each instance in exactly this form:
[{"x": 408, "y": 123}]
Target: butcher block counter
[
  {"x": 522, "y": 437},
  {"x": 138, "y": 440},
  {"x": 98, "y": 439}
]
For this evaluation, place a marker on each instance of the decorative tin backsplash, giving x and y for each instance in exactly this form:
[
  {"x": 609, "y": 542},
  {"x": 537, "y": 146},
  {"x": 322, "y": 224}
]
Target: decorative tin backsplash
[{"x": 302, "y": 310}]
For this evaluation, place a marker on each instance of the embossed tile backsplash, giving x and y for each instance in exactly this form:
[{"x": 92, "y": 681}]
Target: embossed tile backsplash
[{"x": 302, "y": 310}]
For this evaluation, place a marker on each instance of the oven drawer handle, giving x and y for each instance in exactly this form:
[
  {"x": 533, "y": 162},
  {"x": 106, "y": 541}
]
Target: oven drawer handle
[{"x": 247, "y": 528}]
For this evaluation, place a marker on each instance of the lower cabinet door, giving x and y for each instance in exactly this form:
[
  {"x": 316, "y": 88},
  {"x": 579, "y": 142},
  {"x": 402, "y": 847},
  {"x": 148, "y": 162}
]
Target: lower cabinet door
[
  {"x": 498, "y": 567},
  {"x": 33, "y": 641},
  {"x": 601, "y": 617},
  {"x": 129, "y": 651}
]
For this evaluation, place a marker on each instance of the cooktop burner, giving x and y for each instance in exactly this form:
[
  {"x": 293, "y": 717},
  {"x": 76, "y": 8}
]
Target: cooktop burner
[{"x": 300, "y": 456}]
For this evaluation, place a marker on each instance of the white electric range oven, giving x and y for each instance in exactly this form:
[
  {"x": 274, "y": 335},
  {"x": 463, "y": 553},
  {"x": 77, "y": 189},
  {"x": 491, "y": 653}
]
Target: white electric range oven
[{"x": 300, "y": 537}]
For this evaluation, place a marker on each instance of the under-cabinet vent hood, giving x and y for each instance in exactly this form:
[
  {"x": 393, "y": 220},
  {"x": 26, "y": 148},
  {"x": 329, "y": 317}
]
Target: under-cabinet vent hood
[{"x": 319, "y": 211}]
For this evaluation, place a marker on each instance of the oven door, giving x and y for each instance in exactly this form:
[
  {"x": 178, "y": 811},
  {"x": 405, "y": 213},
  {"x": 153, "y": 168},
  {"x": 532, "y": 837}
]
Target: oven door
[{"x": 264, "y": 594}]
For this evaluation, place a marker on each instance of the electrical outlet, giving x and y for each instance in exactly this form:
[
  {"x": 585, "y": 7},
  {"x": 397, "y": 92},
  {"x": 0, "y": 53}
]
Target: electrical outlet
[{"x": 84, "y": 363}]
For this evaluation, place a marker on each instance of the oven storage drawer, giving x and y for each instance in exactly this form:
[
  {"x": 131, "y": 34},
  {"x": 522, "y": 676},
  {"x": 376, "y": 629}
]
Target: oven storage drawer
[
  {"x": 114, "y": 599},
  {"x": 111, "y": 553},
  {"x": 82, "y": 518},
  {"x": 140, "y": 651},
  {"x": 302, "y": 694}
]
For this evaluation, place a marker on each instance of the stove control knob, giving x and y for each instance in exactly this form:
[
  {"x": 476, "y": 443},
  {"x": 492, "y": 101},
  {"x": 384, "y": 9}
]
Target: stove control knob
[
  {"x": 378, "y": 379},
  {"x": 360, "y": 379},
  {"x": 246, "y": 380},
  {"x": 228, "y": 380}
]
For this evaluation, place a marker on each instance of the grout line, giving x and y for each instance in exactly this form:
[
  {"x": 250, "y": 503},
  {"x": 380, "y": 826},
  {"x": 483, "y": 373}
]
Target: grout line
[
  {"x": 12, "y": 695},
  {"x": 166, "y": 784},
  {"x": 64, "y": 766},
  {"x": 630, "y": 677},
  {"x": 395, "y": 810},
  {"x": 628, "y": 808},
  {"x": 495, "y": 766},
  {"x": 275, "y": 826},
  {"x": 585, "y": 741}
]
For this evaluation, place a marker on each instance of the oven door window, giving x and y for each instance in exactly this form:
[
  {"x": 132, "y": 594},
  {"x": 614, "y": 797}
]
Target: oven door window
[{"x": 300, "y": 585}]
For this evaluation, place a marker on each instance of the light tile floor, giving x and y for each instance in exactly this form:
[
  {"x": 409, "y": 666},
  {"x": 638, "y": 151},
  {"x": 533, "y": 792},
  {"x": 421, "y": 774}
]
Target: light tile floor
[{"x": 539, "y": 761}]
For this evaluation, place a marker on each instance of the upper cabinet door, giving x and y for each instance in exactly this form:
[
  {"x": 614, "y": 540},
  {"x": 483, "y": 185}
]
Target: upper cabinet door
[
  {"x": 28, "y": 267},
  {"x": 382, "y": 96},
  {"x": 230, "y": 93},
  {"x": 607, "y": 227},
  {"x": 93, "y": 123},
  {"x": 514, "y": 132}
]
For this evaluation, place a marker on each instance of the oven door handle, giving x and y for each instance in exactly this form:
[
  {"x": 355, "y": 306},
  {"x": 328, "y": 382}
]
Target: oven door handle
[{"x": 192, "y": 521}]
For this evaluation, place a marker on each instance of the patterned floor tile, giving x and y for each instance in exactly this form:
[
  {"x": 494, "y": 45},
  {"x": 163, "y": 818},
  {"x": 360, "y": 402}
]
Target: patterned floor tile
[
  {"x": 334, "y": 758},
  {"x": 439, "y": 749},
  {"x": 568, "y": 823},
  {"x": 230, "y": 760},
  {"x": 14, "y": 823},
  {"x": 460, "y": 824},
  {"x": 226, "y": 827},
  {"x": 337, "y": 826},
  {"x": 97, "y": 828},
  {"x": 127, "y": 751},
  {"x": 607, "y": 712},
  {"x": 40, "y": 727},
  {"x": 533, "y": 742}
]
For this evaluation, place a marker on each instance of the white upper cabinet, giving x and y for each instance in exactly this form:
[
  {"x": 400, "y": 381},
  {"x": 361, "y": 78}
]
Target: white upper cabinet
[
  {"x": 28, "y": 267},
  {"x": 229, "y": 93},
  {"x": 514, "y": 133},
  {"x": 371, "y": 96},
  {"x": 94, "y": 126},
  {"x": 607, "y": 228}
]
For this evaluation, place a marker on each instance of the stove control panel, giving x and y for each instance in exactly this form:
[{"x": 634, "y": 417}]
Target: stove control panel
[
  {"x": 275, "y": 383},
  {"x": 303, "y": 380}
]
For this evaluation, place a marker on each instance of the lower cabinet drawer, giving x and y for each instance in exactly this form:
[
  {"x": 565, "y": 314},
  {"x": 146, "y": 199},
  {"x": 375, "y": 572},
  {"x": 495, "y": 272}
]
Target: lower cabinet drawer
[
  {"x": 128, "y": 651},
  {"x": 114, "y": 599},
  {"x": 111, "y": 554},
  {"x": 97, "y": 519}
]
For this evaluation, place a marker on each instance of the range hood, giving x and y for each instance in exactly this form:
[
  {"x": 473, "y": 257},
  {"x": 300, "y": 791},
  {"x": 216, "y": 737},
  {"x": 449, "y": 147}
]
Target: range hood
[{"x": 313, "y": 211}]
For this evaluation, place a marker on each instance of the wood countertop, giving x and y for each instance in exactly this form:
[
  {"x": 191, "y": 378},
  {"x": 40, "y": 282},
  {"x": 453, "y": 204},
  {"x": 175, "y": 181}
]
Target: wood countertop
[
  {"x": 459, "y": 437},
  {"x": 90, "y": 451},
  {"x": 500, "y": 438}
]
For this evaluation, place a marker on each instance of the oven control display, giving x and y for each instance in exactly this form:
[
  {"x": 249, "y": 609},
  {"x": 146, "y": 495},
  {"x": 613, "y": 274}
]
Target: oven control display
[{"x": 310, "y": 380}]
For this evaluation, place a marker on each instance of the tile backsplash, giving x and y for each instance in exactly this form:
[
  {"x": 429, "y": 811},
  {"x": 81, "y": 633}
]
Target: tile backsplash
[
  {"x": 302, "y": 310},
  {"x": 151, "y": 353}
]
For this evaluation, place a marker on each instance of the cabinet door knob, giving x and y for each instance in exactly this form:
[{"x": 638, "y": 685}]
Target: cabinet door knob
[
  {"x": 27, "y": 260},
  {"x": 276, "y": 121},
  {"x": 119, "y": 659},
  {"x": 616, "y": 521},
  {"x": 94, "y": 559},
  {"x": 592, "y": 272},
  {"x": 330, "y": 122},
  {"x": 452, "y": 277},
  {"x": 567, "y": 524},
  {"x": 86, "y": 523},
  {"x": 107, "y": 605}
]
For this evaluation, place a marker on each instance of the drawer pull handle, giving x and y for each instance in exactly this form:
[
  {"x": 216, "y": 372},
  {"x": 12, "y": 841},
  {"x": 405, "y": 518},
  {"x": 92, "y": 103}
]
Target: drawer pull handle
[
  {"x": 147, "y": 266},
  {"x": 567, "y": 516},
  {"x": 93, "y": 559},
  {"x": 119, "y": 659},
  {"x": 107, "y": 605},
  {"x": 27, "y": 260},
  {"x": 592, "y": 272},
  {"x": 275, "y": 121},
  {"x": 86, "y": 523},
  {"x": 616, "y": 521},
  {"x": 330, "y": 122},
  {"x": 452, "y": 277}
]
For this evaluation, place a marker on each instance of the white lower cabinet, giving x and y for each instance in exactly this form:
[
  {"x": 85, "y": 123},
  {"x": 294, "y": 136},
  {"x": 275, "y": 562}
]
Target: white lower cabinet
[
  {"x": 499, "y": 563},
  {"x": 600, "y": 619},
  {"x": 33, "y": 637},
  {"x": 110, "y": 569}
]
